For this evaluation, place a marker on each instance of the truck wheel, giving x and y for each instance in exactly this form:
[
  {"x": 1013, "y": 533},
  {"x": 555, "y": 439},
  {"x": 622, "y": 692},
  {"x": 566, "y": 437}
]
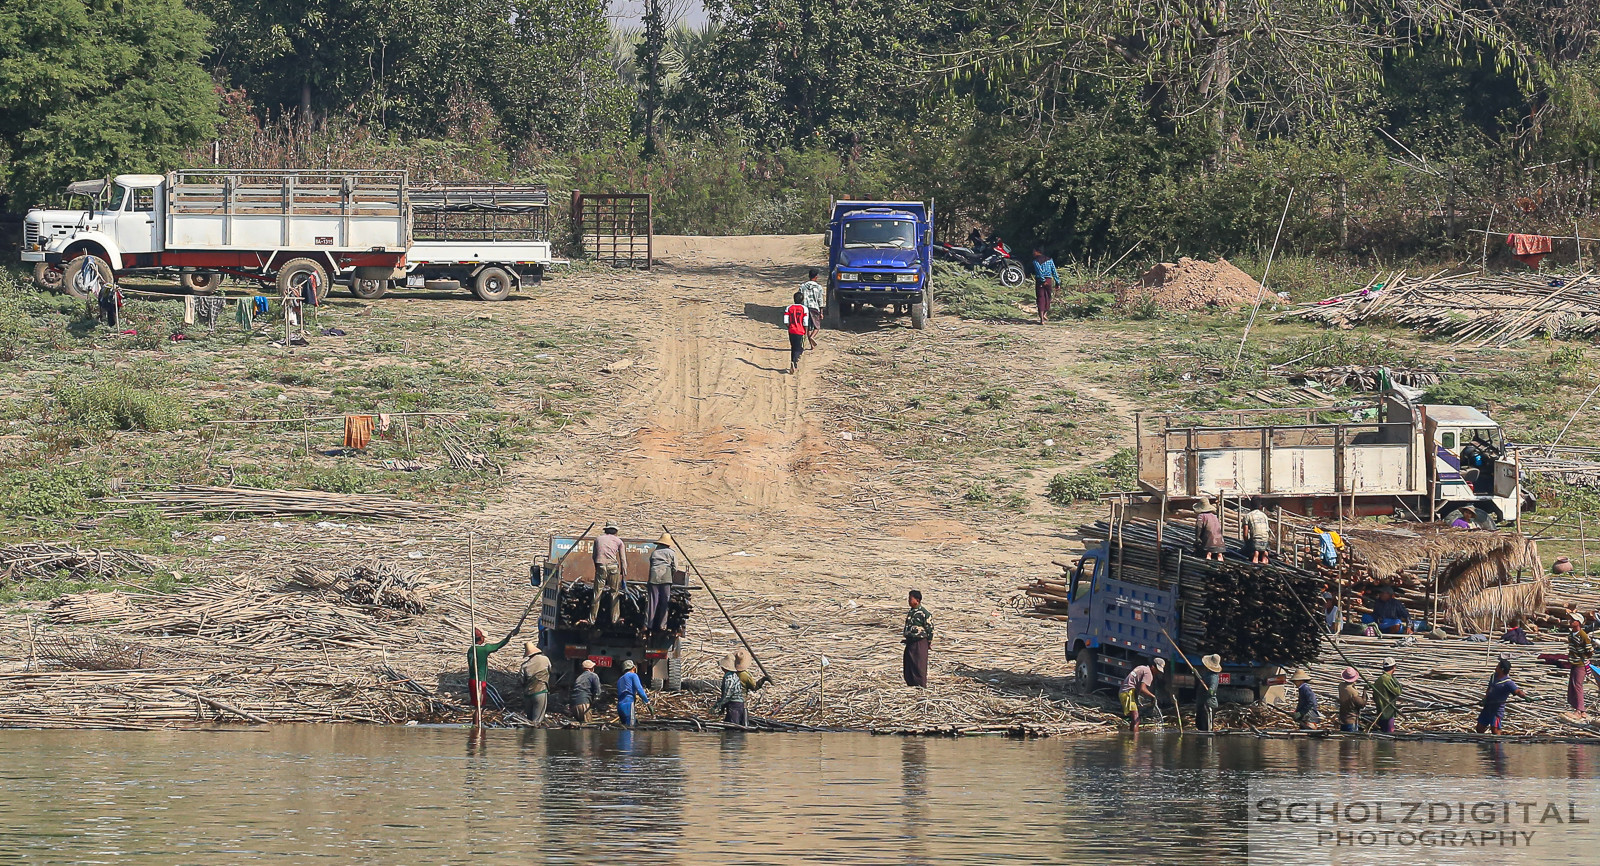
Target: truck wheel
[
  {"x": 303, "y": 278},
  {"x": 1012, "y": 275},
  {"x": 82, "y": 285},
  {"x": 919, "y": 315},
  {"x": 47, "y": 276},
  {"x": 835, "y": 310},
  {"x": 1084, "y": 676},
  {"x": 200, "y": 282},
  {"x": 368, "y": 290},
  {"x": 492, "y": 284},
  {"x": 674, "y": 675}
]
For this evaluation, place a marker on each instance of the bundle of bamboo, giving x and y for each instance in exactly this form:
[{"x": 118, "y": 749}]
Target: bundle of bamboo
[
  {"x": 1477, "y": 308},
  {"x": 46, "y": 560},
  {"x": 250, "y": 500}
]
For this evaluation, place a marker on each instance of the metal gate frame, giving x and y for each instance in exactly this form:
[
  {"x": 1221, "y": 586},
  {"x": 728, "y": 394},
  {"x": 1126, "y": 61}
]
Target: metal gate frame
[{"x": 611, "y": 223}]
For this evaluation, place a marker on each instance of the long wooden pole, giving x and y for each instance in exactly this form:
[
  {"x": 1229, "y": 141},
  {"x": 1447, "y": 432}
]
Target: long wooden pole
[
  {"x": 707, "y": 584},
  {"x": 472, "y": 612}
]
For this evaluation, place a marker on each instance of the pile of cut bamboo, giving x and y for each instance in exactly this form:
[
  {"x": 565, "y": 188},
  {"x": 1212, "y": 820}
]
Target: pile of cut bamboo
[
  {"x": 250, "y": 500},
  {"x": 1475, "y": 308},
  {"x": 46, "y": 560}
]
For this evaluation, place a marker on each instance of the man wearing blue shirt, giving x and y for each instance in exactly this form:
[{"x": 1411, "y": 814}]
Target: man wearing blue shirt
[
  {"x": 1501, "y": 688},
  {"x": 628, "y": 688},
  {"x": 1044, "y": 282}
]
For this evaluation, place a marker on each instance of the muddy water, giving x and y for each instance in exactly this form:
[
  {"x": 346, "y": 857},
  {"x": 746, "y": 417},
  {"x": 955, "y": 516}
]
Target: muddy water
[{"x": 412, "y": 795}]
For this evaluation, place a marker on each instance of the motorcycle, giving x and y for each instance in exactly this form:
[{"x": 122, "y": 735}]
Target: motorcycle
[{"x": 990, "y": 255}]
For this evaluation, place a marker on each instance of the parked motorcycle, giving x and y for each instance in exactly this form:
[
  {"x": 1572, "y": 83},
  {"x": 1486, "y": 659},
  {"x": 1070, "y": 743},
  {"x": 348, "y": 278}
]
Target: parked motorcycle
[{"x": 990, "y": 255}]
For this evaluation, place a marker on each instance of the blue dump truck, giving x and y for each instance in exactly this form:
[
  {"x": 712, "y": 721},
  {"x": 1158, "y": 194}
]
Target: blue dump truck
[
  {"x": 1140, "y": 592},
  {"x": 880, "y": 254}
]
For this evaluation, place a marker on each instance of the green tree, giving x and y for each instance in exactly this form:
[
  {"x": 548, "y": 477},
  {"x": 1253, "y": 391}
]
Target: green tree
[{"x": 89, "y": 87}]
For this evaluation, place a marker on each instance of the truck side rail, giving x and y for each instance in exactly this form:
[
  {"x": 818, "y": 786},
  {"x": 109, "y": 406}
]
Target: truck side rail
[{"x": 259, "y": 192}]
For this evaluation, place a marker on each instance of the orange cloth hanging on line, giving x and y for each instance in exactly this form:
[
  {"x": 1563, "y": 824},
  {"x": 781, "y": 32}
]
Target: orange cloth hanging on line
[
  {"x": 357, "y": 431},
  {"x": 1529, "y": 249}
]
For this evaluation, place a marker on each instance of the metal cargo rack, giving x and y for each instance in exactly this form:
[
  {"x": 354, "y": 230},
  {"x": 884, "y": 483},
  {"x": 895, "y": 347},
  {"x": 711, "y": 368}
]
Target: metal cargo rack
[{"x": 480, "y": 212}]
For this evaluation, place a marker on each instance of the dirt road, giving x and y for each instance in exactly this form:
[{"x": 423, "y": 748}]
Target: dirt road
[{"x": 813, "y": 537}]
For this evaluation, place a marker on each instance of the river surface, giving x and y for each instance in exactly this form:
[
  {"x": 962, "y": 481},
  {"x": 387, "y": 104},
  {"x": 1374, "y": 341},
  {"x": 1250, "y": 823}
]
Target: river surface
[{"x": 355, "y": 794}]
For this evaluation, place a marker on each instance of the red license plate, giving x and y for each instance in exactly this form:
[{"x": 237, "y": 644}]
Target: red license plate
[
  {"x": 576, "y": 652},
  {"x": 1224, "y": 679},
  {"x": 601, "y": 661}
]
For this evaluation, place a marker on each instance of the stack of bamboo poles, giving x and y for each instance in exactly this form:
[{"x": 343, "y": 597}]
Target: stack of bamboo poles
[
  {"x": 1049, "y": 595},
  {"x": 1476, "y": 308},
  {"x": 249, "y": 500},
  {"x": 46, "y": 560}
]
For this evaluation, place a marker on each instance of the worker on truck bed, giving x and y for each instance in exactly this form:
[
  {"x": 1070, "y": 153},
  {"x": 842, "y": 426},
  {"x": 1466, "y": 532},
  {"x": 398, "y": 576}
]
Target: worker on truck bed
[
  {"x": 1257, "y": 531},
  {"x": 662, "y": 562},
  {"x": 1136, "y": 685},
  {"x": 1390, "y": 613},
  {"x": 610, "y": 572},
  {"x": 1208, "y": 529},
  {"x": 478, "y": 670}
]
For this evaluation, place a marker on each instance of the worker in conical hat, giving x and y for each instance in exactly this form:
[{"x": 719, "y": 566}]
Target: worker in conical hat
[
  {"x": 1305, "y": 710},
  {"x": 741, "y": 665},
  {"x": 663, "y": 563},
  {"x": 1205, "y": 697},
  {"x": 1208, "y": 529},
  {"x": 731, "y": 699},
  {"x": 535, "y": 682}
]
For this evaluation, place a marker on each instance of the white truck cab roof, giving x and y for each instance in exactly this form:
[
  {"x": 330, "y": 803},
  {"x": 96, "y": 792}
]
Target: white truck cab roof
[
  {"x": 141, "y": 180},
  {"x": 1457, "y": 416}
]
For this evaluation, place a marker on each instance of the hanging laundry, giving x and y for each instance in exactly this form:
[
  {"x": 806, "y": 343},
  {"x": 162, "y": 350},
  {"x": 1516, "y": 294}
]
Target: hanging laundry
[
  {"x": 291, "y": 312},
  {"x": 383, "y": 422},
  {"x": 244, "y": 314},
  {"x": 260, "y": 302},
  {"x": 188, "y": 309},
  {"x": 1529, "y": 249},
  {"x": 357, "y": 431}
]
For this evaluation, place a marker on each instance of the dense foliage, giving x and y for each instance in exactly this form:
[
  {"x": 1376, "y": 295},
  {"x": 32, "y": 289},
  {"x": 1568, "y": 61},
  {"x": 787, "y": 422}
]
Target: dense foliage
[{"x": 1086, "y": 125}]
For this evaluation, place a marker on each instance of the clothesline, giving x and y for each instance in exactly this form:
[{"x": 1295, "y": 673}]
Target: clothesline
[
  {"x": 1552, "y": 237},
  {"x": 335, "y": 417}
]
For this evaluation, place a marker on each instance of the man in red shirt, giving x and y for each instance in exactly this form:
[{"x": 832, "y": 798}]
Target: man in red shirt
[{"x": 798, "y": 320}]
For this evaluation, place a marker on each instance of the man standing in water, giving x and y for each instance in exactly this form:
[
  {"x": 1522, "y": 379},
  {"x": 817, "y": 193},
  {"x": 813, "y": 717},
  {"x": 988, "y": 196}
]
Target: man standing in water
[
  {"x": 1136, "y": 685},
  {"x": 918, "y": 635},
  {"x": 585, "y": 692},
  {"x": 478, "y": 670},
  {"x": 629, "y": 688},
  {"x": 535, "y": 683},
  {"x": 1386, "y": 697}
]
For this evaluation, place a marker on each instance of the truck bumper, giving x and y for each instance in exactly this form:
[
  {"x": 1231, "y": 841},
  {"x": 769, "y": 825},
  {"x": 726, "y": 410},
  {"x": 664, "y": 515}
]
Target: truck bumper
[
  {"x": 909, "y": 294},
  {"x": 49, "y": 258}
]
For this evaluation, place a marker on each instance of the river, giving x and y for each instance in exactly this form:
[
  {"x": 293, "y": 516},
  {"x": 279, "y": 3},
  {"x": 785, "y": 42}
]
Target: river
[{"x": 355, "y": 794}]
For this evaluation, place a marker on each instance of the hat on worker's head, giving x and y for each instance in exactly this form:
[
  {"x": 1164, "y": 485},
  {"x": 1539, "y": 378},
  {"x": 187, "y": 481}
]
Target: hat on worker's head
[
  {"x": 1467, "y": 509},
  {"x": 730, "y": 662},
  {"x": 1389, "y": 663},
  {"x": 628, "y": 665},
  {"x": 1203, "y": 505},
  {"x": 1349, "y": 675},
  {"x": 742, "y": 659},
  {"x": 1212, "y": 663},
  {"x": 530, "y": 648},
  {"x": 611, "y": 526},
  {"x": 1161, "y": 664},
  {"x": 588, "y": 664},
  {"x": 665, "y": 540},
  {"x": 478, "y": 636},
  {"x": 1575, "y": 617},
  {"x": 1300, "y": 676}
]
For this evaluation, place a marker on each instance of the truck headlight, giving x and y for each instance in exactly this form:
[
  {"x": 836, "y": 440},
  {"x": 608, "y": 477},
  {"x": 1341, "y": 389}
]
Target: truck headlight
[
  {"x": 849, "y": 278},
  {"x": 905, "y": 278}
]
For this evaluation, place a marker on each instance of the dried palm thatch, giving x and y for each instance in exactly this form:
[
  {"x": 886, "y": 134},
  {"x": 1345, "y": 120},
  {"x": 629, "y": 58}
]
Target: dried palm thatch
[
  {"x": 1470, "y": 559},
  {"x": 1495, "y": 606}
]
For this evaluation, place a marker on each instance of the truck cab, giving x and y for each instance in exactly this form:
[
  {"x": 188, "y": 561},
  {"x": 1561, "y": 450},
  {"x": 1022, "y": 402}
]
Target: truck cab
[
  {"x": 123, "y": 218},
  {"x": 880, "y": 255},
  {"x": 1470, "y": 465},
  {"x": 1115, "y": 625}
]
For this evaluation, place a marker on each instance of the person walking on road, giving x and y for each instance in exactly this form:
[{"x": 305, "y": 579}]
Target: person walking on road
[
  {"x": 478, "y": 670},
  {"x": 662, "y": 562},
  {"x": 610, "y": 572},
  {"x": 535, "y": 682},
  {"x": 1580, "y": 651},
  {"x": 1137, "y": 684},
  {"x": 629, "y": 688},
  {"x": 918, "y": 635},
  {"x": 730, "y": 702},
  {"x": 1045, "y": 280},
  {"x": 1386, "y": 697},
  {"x": 797, "y": 319},
  {"x": 1501, "y": 688},
  {"x": 816, "y": 299},
  {"x": 585, "y": 692},
  {"x": 1205, "y": 697}
]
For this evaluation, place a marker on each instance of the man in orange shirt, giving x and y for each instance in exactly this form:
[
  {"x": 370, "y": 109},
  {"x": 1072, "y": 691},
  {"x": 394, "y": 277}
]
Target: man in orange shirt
[{"x": 797, "y": 319}]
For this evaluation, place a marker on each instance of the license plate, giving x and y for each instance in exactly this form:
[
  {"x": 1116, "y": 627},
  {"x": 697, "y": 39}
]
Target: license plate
[
  {"x": 1224, "y": 679},
  {"x": 601, "y": 661}
]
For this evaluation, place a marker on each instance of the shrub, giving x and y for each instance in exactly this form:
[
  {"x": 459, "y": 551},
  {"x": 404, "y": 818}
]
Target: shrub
[
  {"x": 1120, "y": 471},
  {"x": 48, "y": 492},
  {"x": 117, "y": 405}
]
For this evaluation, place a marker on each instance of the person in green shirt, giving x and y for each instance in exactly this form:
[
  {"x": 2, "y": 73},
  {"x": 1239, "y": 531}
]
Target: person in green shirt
[
  {"x": 1386, "y": 697},
  {"x": 918, "y": 635},
  {"x": 478, "y": 669}
]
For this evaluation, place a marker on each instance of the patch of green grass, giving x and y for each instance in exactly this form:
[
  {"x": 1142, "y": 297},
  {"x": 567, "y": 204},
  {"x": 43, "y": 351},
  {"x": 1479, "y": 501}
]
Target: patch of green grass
[
  {"x": 54, "y": 492},
  {"x": 115, "y": 404},
  {"x": 1120, "y": 471}
]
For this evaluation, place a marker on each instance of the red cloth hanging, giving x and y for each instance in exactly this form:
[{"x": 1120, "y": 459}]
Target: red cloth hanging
[{"x": 1529, "y": 249}]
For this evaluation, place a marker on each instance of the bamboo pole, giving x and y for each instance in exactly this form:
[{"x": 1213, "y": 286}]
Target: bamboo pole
[{"x": 725, "y": 615}]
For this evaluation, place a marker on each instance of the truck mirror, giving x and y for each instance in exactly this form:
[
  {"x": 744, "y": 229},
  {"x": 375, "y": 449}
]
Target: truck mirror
[{"x": 536, "y": 574}]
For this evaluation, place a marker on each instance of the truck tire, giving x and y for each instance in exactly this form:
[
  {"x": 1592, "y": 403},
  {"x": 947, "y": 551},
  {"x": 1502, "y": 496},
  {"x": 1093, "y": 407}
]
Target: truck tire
[
  {"x": 299, "y": 278},
  {"x": 492, "y": 284},
  {"x": 919, "y": 315},
  {"x": 47, "y": 276},
  {"x": 71, "y": 275},
  {"x": 200, "y": 282},
  {"x": 1084, "y": 676},
  {"x": 1012, "y": 275},
  {"x": 835, "y": 311},
  {"x": 368, "y": 289},
  {"x": 674, "y": 681}
]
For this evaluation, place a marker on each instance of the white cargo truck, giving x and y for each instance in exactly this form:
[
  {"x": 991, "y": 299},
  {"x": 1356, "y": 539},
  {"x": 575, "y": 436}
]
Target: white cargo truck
[{"x": 1415, "y": 459}]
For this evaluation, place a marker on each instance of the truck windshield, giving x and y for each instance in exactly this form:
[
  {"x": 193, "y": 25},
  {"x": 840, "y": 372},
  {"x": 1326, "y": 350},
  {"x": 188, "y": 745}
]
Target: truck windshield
[
  {"x": 118, "y": 193},
  {"x": 893, "y": 234}
]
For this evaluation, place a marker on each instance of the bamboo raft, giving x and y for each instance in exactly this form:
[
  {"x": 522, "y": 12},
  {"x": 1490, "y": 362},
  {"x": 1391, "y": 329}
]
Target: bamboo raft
[{"x": 1476, "y": 309}]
